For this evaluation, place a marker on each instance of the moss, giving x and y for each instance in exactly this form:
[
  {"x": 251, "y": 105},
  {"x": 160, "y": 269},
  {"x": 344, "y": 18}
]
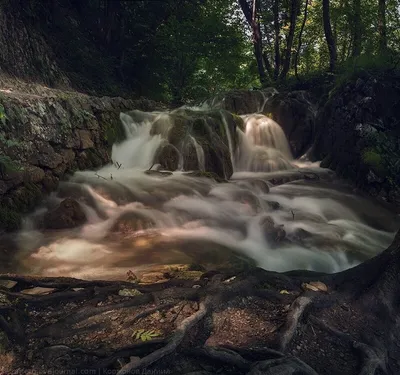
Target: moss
[
  {"x": 374, "y": 160},
  {"x": 26, "y": 197},
  {"x": 10, "y": 220},
  {"x": 94, "y": 158},
  {"x": 179, "y": 131},
  {"x": 238, "y": 122},
  {"x": 112, "y": 130},
  {"x": 202, "y": 174},
  {"x": 20, "y": 201}
]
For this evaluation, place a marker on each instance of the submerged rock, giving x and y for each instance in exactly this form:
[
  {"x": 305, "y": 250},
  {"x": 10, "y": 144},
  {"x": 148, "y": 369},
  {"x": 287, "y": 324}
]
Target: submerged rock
[
  {"x": 68, "y": 214},
  {"x": 273, "y": 233}
]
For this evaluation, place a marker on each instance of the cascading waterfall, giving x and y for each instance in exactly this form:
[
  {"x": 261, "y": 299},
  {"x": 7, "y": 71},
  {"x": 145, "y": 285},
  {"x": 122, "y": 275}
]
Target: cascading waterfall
[{"x": 135, "y": 219}]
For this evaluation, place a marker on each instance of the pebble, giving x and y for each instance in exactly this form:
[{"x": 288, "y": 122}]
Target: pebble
[{"x": 298, "y": 347}]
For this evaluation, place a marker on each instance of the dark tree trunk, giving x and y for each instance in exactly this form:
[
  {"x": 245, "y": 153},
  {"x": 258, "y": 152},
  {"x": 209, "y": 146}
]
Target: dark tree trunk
[
  {"x": 289, "y": 44},
  {"x": 251, "y": 18},
  {"x": 328, "y": 35},
  {"x": 296, "y": 58},
  {"x": 382, "y": 25},
  {"x": 275, "y": 10},
  {"x": 356, "y": 28}
]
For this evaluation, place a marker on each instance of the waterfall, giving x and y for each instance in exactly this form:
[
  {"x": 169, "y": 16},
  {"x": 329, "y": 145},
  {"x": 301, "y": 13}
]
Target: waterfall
[{"x": 136, "y": 218}]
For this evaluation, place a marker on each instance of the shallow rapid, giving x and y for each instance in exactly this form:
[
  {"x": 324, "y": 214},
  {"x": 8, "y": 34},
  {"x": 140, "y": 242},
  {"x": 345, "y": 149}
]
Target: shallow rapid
[{"x": 275, "y": 212}]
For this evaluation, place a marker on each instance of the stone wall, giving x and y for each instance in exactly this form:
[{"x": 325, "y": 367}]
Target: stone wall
[{"x": 44, "y": 137}]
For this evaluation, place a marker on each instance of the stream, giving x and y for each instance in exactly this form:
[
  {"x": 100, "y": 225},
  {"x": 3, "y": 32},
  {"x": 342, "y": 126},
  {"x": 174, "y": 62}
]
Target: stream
[{"x": 278, "y": 213}]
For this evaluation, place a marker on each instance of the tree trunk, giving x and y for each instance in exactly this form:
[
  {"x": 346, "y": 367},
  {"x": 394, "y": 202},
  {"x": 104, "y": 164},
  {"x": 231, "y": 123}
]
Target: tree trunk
[
  {"x": 275, "y": 10},
  {"x": 289, "y": 44},
  {"x": 357, "y": 28},
  {"x": 328, "y": 35},
  {"x": 296, "y": 58},
  {"x": 251, "y": 17},
  {"x": 382, "y": 25}
]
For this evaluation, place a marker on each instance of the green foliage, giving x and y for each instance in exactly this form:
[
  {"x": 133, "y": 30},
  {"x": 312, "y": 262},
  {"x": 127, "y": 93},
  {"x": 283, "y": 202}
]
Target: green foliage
[
  {"x": 3, "y": 116},
  {"x": 9, "y": 165},
  {"x": 373, "y": 159},
  {"x": 144, "y": 335}
]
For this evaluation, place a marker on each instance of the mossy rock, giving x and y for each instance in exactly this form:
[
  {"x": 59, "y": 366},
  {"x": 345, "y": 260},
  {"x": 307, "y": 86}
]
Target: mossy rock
[
  {"x": 112, "y": 130},
  {"x": 209, "y": 175},
  {"x": 10, "y": 219},
  {"x": 375, "y": 161},
  {"x": 168, "y": 157}
]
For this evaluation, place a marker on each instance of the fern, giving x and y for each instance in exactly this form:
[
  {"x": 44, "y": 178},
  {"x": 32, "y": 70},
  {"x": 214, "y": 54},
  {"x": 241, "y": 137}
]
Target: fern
[
  {"x": 3, "y": 116},
  {"x": 144, "y": 335}
]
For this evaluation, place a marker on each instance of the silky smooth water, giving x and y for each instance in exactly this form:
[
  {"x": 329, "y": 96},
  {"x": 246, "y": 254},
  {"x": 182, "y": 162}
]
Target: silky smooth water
[{"x": 137, "y": 219}]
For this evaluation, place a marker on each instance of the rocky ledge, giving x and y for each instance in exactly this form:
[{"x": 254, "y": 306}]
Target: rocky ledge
[{"x": 46, "y": 135}]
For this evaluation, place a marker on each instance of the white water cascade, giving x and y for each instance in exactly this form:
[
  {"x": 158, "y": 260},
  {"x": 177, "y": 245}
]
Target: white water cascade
[{"x": 136, "y": 219}]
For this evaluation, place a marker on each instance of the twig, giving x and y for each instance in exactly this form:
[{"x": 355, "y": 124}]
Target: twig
[{"x": 98, "y": 176}]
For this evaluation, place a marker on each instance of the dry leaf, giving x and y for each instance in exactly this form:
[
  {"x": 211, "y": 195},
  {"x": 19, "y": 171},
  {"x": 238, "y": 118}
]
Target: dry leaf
[{"x": 315, "y": 286}]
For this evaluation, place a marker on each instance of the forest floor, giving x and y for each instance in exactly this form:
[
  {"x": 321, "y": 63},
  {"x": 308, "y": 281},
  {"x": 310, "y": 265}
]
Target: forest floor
[{"x": 176, "y": 320}]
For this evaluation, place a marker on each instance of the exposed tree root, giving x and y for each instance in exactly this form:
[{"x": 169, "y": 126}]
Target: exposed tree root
[
  {"x": 68, "y": 329},
  {"x": 295, "y": 313},
  {"x": 173, "y": 343},
  {"x": 373, "y": 359}
]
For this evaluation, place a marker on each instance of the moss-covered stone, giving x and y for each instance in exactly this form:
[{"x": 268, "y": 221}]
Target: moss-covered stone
[
  {"x": 374, "y": 160},
  {"x": 10, "y": 219},
  {"x": 202, "y": 174}
]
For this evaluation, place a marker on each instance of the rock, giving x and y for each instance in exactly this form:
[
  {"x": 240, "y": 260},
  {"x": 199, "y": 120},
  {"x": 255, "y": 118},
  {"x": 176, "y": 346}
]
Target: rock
[
  {"x": 272, "y": 233},
  {"x": 356, "y": 134},
  {"x": 85, "y": 139},
  {"x": 168, "y": 157},
  {"x": 68, "y": 214},
  {"x": 130, "y": 222},
  {"x": 199, "y": 137},
  {"x": 274, "y": 205},
  {"x": 242, "y": 102},
  {"x": 295, "y": 113},
  {"x": 152, "y": 172},
  {"x": 47, "y": 157}
]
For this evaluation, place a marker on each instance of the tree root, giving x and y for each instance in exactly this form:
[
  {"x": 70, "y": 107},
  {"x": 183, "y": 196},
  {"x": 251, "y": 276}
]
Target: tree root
[
  {"x": 292, "y": 320},
  {"x": 223, "y": 355},
  {"x": 174, "y": 342},
  {"x": 285, "y": 365},
  {"x": 373, "y": 359},
  {"x": 149, "y": 312}
]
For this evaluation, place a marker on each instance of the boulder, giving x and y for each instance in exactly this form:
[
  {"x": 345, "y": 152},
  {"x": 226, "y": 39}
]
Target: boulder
[{"x": 68, "y": 214}]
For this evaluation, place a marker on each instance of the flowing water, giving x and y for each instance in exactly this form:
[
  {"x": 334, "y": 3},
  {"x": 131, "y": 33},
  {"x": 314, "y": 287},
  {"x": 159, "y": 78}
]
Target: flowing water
[{"x": 137, "y": 219}]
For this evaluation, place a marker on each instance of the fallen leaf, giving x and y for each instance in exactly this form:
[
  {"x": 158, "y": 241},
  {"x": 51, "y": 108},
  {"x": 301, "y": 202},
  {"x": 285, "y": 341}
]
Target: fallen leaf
[
  {"x": 38, "y": 291},
  {"x": 315, "y": 286},
  {"x": 284, "y": 291},
  {"x": 129, "y": 293}
]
